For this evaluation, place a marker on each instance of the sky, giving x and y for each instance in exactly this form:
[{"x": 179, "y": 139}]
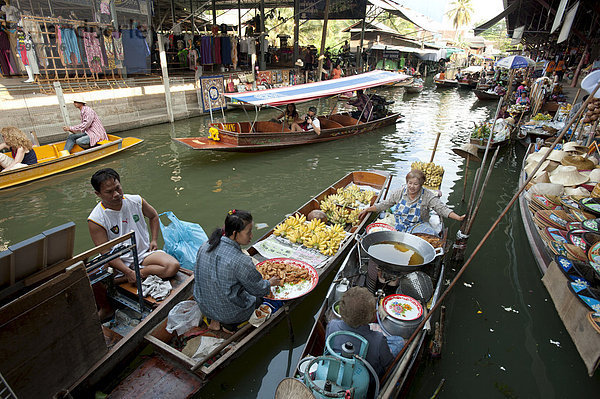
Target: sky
[{"x": 435, "y": 9}]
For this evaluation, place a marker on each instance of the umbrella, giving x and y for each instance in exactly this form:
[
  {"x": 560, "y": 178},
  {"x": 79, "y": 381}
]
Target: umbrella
[{"x": 515, "y": 62}]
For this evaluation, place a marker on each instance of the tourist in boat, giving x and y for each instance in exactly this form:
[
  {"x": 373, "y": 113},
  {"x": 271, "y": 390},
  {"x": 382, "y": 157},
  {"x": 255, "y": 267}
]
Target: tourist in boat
[
  {"x": 227, "y": 286},
  {"x": 117, "y": 214},
  {"x": 311, "y": 122},
  {"x": 291, "y": 118},
  {"x": 364, "y": 106},
  {"x": 88, "y": 133},
  {"x": 20, "y": 147},
  {"x": 357, "y": 308},
  {"x": 411, "y": 205}
]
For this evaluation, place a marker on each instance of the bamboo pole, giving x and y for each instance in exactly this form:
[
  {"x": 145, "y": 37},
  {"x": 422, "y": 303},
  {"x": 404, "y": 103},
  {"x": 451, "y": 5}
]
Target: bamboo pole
[
  {"x": 465, "y": 180},
  {"x": 437, "y": 139},
  {"x": 484, "y": 239},
  {"x": 483, "y": 187},
  {"x": 592, "y": 133}
]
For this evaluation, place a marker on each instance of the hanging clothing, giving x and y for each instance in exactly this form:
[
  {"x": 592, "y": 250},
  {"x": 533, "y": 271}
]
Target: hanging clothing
[
  {"x": 59, "y": 45},
  {"x": 136, "y": 51},
  {"x": 217, "y": 49},
  {"x": 118, "y": 44},
  {"x": 31, "y": 55},
  {"x": 37, "y": 39},
  {"x": 5, "y": 61},
  {"x": 93, "y": 52},
  {"x": 15, "y": 53},
  {"x": 206, "y": 50},
  {"x": 70, "y": 46},
  {"x": 22, "y": 48},
  {"x": 226, "y": 50},
  {"x": 110, "y": 51},
  {"x": 234, "y": 52},
  {"x": 12, "y": 13},
  {"x": 105, "y": 7}
]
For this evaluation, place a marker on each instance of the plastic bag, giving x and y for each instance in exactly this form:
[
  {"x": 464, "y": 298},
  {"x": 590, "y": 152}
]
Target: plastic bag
[
  {"x": 183, "y": 317},
  {"x": 182, "y": 239}
]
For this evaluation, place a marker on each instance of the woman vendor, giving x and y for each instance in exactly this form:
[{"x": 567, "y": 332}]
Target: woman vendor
[
  {"x": 20, "y": 147},
  {"x": 227, "y": 287},
  {"x": 411, "y": 204}
]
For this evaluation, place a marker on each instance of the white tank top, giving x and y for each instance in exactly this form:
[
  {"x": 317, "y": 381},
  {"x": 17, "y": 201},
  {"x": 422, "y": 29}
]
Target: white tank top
[{"x": 118, "y": 223}]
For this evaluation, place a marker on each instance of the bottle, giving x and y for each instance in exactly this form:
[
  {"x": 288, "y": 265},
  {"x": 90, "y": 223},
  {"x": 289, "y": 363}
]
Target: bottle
[{"x": 341, "y": 288}]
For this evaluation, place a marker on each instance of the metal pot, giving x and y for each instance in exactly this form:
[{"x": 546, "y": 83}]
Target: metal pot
[{"x": 423, "y": 247}]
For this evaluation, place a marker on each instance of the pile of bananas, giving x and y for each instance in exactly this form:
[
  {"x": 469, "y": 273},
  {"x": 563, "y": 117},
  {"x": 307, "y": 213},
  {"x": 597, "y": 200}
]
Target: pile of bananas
[
  {"x": 314, "y": 234},
  {"x": 343, "y": 215},
  {"x": 433, "y": 173},
  {"x": 542, "y": 117},
  {"x": 343, "y": 207}
]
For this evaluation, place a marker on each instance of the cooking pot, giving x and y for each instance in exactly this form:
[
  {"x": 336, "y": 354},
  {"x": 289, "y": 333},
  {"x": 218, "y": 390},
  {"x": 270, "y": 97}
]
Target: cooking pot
[
  {"x": 400, "y": 324},
  {"x": 424, "y": 248}
]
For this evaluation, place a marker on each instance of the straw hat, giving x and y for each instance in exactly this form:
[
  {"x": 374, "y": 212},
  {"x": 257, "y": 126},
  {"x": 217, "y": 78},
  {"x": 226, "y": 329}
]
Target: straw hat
[
  {"x": 547, "y": 166},
  {"x": 467, "y": 151},
  {"x": 595, "y": 175},
  {"x": 557, "y": 155},
  {"x": 79, "y": 99},
  {"x": 536, "y": 156},
  {"x": 543, "y": 177},
  {"x": 572, "y": 146},
  {"x": 578, "y": 161},
  {"x": 578, "y": 191},
  {"x": 299, "y": 63},
  {"x": 567, "y": 176}
]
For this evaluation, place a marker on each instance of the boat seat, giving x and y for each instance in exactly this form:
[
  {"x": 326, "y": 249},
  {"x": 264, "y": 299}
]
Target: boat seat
[
  {"x": 344, "y": 120},
  {"x": 329, "y": 124},
  {"x": 270, "y": 127}
]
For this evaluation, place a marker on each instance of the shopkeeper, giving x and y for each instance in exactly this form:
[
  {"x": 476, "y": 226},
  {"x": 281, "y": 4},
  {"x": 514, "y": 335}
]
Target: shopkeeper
[
  {"x": 411, "y": 205},
  {"x": 227, "y": 286}
]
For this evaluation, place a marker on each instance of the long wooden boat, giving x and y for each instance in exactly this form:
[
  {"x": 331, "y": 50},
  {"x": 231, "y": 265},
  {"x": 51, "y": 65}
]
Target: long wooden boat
[
  {"x": 355, "y": 271},
  {"x": 445, "y": 83},
  {"x": 414, "y": 88},
  {"x": 404, "y": 83},
  {"x": 467, "y": 84},
  {"x": 205, "y": 369},
  {"x": 486, "y": 95},
  {"x": 572, "y": 311},
  {"x": 50, "y": 162},
  {"x": 265, "y": 135},
  {"x": 481, "y": 143},
  {"x": 52, "y": 339}
]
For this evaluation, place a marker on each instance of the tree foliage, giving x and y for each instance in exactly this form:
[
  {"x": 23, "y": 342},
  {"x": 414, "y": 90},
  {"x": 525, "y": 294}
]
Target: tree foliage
[{"x": 460, "y": 13}]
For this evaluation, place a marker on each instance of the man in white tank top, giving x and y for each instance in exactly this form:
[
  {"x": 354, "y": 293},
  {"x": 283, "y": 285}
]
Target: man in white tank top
[{"x": 118, "y": 214}]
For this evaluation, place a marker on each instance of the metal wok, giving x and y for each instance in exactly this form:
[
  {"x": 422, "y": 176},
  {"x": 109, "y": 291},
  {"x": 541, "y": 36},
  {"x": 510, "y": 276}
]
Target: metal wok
[{"x": 423, "y": 247}]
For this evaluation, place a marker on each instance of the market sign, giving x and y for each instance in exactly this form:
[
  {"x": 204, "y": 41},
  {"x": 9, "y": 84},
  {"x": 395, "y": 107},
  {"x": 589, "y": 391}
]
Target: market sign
[{"x": 338, "y": 9}]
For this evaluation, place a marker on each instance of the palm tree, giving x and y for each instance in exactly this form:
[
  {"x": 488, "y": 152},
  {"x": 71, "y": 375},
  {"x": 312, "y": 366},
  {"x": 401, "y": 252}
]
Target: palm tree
[{"x": 460, "y": 13}]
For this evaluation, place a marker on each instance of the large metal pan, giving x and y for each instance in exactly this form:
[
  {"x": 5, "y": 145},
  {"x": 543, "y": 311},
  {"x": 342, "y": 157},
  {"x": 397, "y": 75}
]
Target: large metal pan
[{"x": 423, "y": 247}]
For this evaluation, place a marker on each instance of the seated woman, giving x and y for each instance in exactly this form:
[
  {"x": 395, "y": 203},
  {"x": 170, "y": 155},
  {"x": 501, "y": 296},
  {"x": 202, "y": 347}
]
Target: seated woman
[
  {"x": 291, "y": 118},
  {"x": 20, "y": 146},
  {"x": 364, "y": 106},
  {"x": 227, "y": 286},
  {"x": 411, "y": 205},
  {"x": 523, "y": 99},
  {"x": 357, "y": 308}
]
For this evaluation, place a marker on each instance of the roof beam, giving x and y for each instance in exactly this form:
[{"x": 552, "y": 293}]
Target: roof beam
[{"x": 576, "y": 31}]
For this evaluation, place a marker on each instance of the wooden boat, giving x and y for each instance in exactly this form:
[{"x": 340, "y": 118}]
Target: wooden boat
[
  {"x": 486, "y": 95},
  {"x": 265, "y": 135},
  {"x": 52, "y": 339},
  {"x": 467, "y": 84},
  {"x": 50, "y": 162},
  {"x": 445, "y": 83},
  {"x": 404, "y": 83},
  {"x": 205, "y": 369},
  {"x": 414, "y": 88},
  {"x": 482, "y": 143},
  {"x": 355, "y": 270},
  {"x": 572, "y": 311}
]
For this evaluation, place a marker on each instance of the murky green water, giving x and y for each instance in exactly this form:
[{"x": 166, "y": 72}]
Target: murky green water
[{"x": 522, "y": 352}]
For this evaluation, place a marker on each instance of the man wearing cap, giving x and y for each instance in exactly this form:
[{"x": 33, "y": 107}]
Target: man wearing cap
[
  {"x": 88, "y": 133},
  {"x": 311, "y": 122}
]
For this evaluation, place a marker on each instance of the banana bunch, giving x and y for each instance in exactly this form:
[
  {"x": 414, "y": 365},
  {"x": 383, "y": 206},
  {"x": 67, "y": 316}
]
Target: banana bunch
[
  {"x": 433, "y": 173},
  {"x": 314, "y": 234},
  {"x": 327, "y": 204},
  {"x": 352, "y": 196}
]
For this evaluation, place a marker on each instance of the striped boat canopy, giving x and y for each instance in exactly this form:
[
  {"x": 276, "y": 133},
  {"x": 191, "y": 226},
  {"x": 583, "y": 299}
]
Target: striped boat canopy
[{"x": 312, "y": 91}]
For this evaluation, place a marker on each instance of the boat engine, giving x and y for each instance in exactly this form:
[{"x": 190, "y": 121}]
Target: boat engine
[{"x": 341, "y": 375}]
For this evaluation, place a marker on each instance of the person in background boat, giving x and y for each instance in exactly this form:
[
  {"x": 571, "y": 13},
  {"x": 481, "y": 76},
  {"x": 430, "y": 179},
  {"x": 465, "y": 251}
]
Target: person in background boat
[
  {"x": 88, "y": 133},
  {"x": 291, "y": 118},
  {"x": 357, "y": 308},
  {"x": 336, "y": 73},
  {"x": 411, "y": 205},
  {"x": 311, "y": 122},
  {"x": 364, "y": 106},
  {"x": 417, "y": 80},
  {"x": 522, "y": 88},
  {"x": 503, "y": 114},
  {"x": 499, "y": 89},
  {"x": 227, "y": 286},
  {"x": 560, "y": 69},
  {"x": 482, "y": 79},
  {"x": 523, "y": 99},
  {"x": 442, "y": 75},
  {"x": 458, "y": 75},
  {"x": 346, "y": 48},
  {"x": 550, "y": 67},
  {"x": 117, "y": 214},
  {"x": 20, "y": 147}
]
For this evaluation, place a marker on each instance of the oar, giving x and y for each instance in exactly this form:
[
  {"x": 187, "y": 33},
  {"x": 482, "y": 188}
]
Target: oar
[{"x": 486, "y": 236}]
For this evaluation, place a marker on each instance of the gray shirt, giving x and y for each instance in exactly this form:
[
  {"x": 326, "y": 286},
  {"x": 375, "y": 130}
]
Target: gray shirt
[
  {"x": 430, "y": 201},
  {"x": 227, "y": 283}
]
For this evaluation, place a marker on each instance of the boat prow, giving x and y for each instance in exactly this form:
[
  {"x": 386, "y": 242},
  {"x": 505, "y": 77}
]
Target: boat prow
[{"x": 50, "y": 162}]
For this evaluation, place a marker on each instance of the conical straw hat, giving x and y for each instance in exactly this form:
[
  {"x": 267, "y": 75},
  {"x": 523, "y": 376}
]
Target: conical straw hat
[
  {"x": 536, "y": 156},
  {"x": 567, "y": 176},
  {"x": 595, "y": 175},
  {"x": 557, "y": 155},
  {"x": 468, "y": 150},
  {"x": 578, "y": 191},
  {"x": 543, "y": 177},
  {"x": 547, "y": 166},
  {"x": 572, "y": 146},
  {"x": 581, "y": 163}
]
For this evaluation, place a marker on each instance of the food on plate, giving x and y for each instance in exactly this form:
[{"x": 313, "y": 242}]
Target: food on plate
[
  {"x": 287, "y": 273},
  {"x": 435, "y": 242}
]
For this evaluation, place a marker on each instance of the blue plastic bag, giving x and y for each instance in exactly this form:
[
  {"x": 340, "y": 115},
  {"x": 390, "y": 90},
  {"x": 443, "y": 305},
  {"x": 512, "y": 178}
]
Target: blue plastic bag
[{"x": 182, "y": 239}]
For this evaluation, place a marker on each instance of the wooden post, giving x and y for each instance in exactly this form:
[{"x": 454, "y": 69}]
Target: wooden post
[
  {"x": 165, "y": 75},
  {"x": 240, "y": 19},
  {"x": 214, "y": 12},
  {"x": 261, "y": 37},
  {"x": 465, "y": 180},
  {"x": 296, "y": 30},
  {"x": 61, "y": 103},
  {"x": 359, "y": 59},
  {"x": 437, "y": 139},
  {"x": 323, "y": 37},
  {"x": 579, "y": 66}
]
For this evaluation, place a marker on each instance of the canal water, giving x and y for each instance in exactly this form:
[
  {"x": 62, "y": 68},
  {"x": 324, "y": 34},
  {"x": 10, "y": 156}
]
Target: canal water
[{"x": 503, "y": 337}]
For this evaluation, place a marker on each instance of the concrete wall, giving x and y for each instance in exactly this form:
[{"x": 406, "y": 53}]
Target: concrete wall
[{"x": 119, "y": 109}]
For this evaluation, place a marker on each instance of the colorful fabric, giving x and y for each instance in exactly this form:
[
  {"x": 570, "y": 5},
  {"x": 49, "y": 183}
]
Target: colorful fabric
[
  {"x": 428, "y": 201},
  {"x": 105, "y": 7},
  {"x": 70, "y": 46},
  {"x": 226, "y": 50},
  {"x": 110, "y": 51},
  {"x": 91, "y": 125},
  {"x": 5, "y": 62},
  {"x": 14, "y": 49},
  {"x": 217, "y": 48},
  {"x": 33, "y": 29},
  {"x": 212, "y": 90},
  {"x": 206, "y": 50},
  {"x": 118, "y": 43},
  {"x": 93, "y": 52},
  {"x": 407, "y": 214},
  {"x": 22, "y": 47}
]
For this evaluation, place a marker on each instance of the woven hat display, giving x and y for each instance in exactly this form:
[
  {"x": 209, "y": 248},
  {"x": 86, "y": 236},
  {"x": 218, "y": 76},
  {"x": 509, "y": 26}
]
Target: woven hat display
[
  {"x": 553, "y": 218},
  {"x": 581, "y": 163},
  {"x": 579, "y": 191},
  {"x": 543, "y": 177},
  {"x": 557, "y": 155},
  {"x": 468, "y": 151},
  {"x": 547, "y": 166},
  {"x": 567, "y": 176},
  {"x": 572, "y": 146},
  {"x": 595, "y": 175},
  {"x": 537, "y": 156}
]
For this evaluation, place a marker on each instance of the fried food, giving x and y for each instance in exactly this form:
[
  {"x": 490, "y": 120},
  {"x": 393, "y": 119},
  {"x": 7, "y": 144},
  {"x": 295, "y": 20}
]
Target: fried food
[
  {"x": 435, "y": 242},
  {"x": 287, "y": 273}
]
